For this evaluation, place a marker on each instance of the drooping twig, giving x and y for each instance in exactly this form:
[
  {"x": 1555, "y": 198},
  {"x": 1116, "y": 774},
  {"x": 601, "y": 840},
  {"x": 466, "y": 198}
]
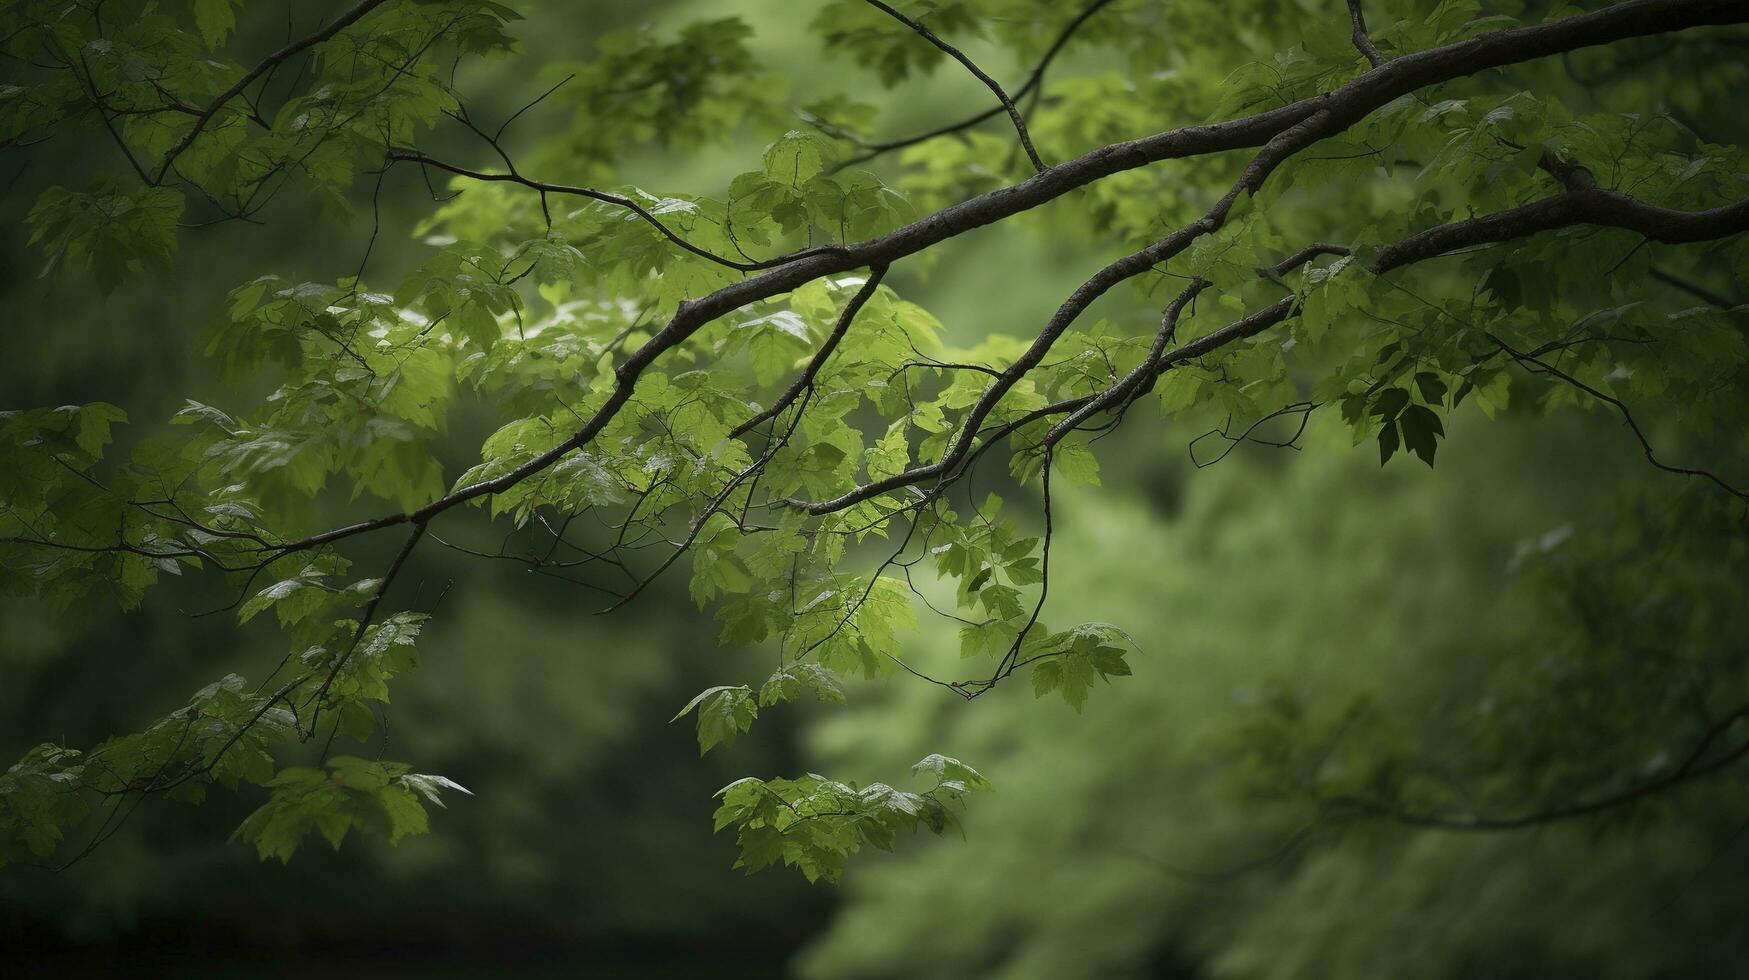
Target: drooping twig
[
  {"x": 1627, "y": 417},
  {"x": 1033, "y": 80},
  {"x": 806, "y": 378},
  {"x": 544, "y": 187},
  {"x": 1335, "y": 811},
  {"x": 1694, "y": 289},
  {"x": 1694, "y": 766},
  {"x": 956, "y": 54},
  {"x": 803, "y": 388},
  {"x": 1303, "y": 409},
  {"x": 365, "y": 615}
]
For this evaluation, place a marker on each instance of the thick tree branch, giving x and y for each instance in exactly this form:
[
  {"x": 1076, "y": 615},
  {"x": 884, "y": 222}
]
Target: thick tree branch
[
  {"x": 1590, "y": 206},
  {"x": 1278, "y": 149},
  {"x": 1301, "y": 257}
]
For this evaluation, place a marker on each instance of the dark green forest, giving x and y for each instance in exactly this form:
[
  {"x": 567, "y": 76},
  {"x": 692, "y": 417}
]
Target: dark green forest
[{"x": 857, "y": 489}]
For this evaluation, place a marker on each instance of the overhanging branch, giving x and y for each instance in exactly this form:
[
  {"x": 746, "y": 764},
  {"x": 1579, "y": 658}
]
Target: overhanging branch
[{"x": 1307, "y": 120}]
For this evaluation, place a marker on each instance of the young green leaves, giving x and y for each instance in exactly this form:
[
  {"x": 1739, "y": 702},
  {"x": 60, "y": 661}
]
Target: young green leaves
[
  {"x": 385, "y": 798},
  {"x": 1068, "y": 663},
  {"x": 724, "y": 713},
  {"x": 111, "y": 231},
  {"x": 814, "y": 824}
]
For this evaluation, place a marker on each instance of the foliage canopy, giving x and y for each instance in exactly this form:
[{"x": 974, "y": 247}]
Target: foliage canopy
[{"x": 1380, "y": 215}]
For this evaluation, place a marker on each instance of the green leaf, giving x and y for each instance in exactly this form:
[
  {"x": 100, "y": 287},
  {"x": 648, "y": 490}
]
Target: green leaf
[
  {"x": 723, "y": 714},
  {"x": 1388, "y": 403},
  {"x": 789, "y": 682},
  {"x": 95, "y": 419},
  {"x": 795, "y": 157},
  {"x": 1432, "y": 389},
  {"x": 1387, "y": 442},
  {"x": 1421, "y": 431},
  {"x": 215, "y": 18},
  {"x": 1494, "y": 395},
  {"x": 114, "y": 229},
  {"x": 1076, "y": 463},
  {"x": 349, "y": 794},
  {"x": 1179, "y": 389},
  {"x": 948, "y": 770}
]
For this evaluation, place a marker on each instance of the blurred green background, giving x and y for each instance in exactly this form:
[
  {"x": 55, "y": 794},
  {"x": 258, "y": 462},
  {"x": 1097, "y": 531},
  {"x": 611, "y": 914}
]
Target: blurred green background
[{"x": 1395, "y": 614}]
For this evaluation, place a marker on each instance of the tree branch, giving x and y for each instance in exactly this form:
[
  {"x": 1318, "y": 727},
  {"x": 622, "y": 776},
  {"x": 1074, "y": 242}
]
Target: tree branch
[
  {"x": 1362, "y": 42},
  {"x": 1342, "y": 106},
  {"x": 1588, "y": 205},
  {"x": 267, "y": 64},
  {"x": 1591, "y": 206},
  {"x": 1339, "y": 810},
  {"x": 1033, "y": 80},
  {"x": 971, "y": 66},
  {"x": 1696, "y": 290},
  {"x": 513, "y": 177},
  {"x": 1627, "y": 417},
  {"x": 1692, "y": 768},
  {"x": 806, "y": 379}
]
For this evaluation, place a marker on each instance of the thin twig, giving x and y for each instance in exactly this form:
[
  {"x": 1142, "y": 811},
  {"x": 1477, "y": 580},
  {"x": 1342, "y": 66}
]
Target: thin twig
[
  {"x": 1033, "y": 81},
  {"x": 960, "y": 56},
  {"x": 334, "y": 27}
]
